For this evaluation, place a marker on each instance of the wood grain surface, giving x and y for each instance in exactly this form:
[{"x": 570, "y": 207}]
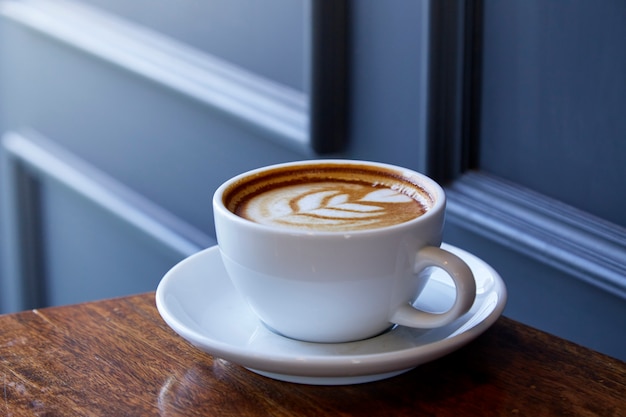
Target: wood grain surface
[{"x": 118, "y": 358}]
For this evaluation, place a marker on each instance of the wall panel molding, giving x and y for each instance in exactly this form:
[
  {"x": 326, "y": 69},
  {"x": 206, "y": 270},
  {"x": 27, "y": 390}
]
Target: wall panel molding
[
  {"x": 278, "y": 112},
  {"x": 27, "y": 159},
  {"x": 586, "y": 247}
]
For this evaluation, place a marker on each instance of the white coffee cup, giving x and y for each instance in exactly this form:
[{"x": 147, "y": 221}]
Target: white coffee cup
[{"x": 322, "y": 283}]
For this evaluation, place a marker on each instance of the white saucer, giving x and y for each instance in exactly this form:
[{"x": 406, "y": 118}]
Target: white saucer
[{"x": 198, "y": 301}]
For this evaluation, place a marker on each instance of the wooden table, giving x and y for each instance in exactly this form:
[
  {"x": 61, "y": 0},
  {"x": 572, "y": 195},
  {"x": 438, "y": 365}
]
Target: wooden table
[{"x": 118, "y": 358}]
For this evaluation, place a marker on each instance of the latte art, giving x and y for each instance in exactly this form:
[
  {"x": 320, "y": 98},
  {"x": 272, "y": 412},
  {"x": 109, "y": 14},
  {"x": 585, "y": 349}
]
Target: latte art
[
  {"x": 328, "y": 199},
  {"x": 332, "y": 205}
]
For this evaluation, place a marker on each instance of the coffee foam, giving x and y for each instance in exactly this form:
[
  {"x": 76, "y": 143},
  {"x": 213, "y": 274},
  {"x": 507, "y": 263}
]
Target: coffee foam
[{"x": 328, "y": 198}]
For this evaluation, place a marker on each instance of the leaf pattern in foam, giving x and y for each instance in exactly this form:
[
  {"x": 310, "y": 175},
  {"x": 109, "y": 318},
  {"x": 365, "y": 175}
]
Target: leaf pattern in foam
[
  {"x": 325, "y": 204},
  {"x": 334, "y": 204},
  {"x": 386, "y": 195}
]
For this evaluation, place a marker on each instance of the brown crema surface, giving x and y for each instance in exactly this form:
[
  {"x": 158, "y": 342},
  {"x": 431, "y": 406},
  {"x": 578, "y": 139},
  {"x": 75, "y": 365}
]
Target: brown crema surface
[{"x": 328, "y": 197}]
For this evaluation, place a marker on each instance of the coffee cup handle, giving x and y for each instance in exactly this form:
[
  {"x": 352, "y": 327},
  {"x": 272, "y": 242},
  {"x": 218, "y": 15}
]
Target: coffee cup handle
[{"x": 463, "y": 279}]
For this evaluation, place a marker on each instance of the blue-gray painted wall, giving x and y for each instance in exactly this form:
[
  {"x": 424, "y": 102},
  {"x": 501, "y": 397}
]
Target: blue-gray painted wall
[{"x": 122, "y": 160}]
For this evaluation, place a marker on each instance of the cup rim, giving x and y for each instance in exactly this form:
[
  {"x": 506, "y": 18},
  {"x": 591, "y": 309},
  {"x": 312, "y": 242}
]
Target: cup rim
[{"x": 432, "y": 187}]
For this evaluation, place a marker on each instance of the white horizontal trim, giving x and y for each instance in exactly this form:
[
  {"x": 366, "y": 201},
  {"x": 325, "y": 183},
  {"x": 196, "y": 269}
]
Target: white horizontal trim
[
  {"x": 49, "y": 161},
  {"x": 277, "y": 110},
  {"x": 554, "y": 233}
]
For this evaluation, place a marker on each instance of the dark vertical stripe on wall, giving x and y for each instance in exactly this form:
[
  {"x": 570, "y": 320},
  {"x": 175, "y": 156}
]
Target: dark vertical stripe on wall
[
  {"x": 329, "y": 95},
  {"x": 472, "y": 84},
  {"x": 27, "y": 195},
  {"x": 451, "y": 87}
]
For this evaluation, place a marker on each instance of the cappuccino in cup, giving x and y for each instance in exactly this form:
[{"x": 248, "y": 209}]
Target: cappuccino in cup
[
  {"x": 328, "y": 198},
  {"x": 334, "y": 251}
]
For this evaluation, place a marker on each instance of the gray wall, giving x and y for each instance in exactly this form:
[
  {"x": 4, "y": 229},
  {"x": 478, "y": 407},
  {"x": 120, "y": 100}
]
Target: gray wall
[{"x": 120, "y": 119}]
